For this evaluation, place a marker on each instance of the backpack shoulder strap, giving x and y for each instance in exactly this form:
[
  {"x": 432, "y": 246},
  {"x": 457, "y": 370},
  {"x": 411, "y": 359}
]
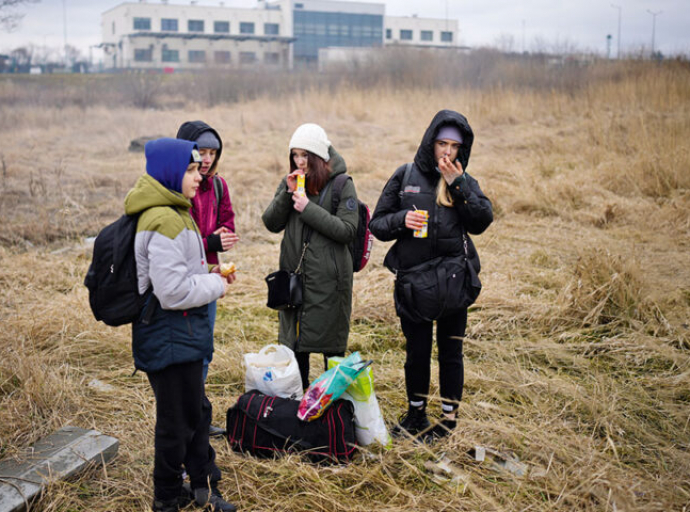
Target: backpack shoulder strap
[
  {"x": 218, "y": 193},
  {"x": 338, "y": 184},
  {"x": 406, "y": 177}
]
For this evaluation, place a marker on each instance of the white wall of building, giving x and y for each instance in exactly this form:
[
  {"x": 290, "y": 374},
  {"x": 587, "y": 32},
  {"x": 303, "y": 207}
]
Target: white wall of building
[
  {"x": 118, "y": 27},
  {"x": 416, "y": 25}
]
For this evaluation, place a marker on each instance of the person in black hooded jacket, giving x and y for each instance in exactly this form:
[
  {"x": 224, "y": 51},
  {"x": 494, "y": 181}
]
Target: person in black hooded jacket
[{"x": 437, "y": 182}]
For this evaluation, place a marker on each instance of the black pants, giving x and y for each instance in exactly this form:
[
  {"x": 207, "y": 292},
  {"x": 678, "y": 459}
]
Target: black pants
[
  {"x": 303, "y": 363},
  {"x": 449, "y": 334},
  {"x": 183, "y": 415}
]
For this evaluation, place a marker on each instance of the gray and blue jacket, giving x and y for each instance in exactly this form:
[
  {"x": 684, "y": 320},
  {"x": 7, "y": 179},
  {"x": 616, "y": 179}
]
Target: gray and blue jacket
[{"x": 170, "y": 259}]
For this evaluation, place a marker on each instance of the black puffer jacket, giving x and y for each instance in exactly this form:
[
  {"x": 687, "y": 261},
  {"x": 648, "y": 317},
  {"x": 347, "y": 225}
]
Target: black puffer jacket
[{"x": 471, "y": 211}]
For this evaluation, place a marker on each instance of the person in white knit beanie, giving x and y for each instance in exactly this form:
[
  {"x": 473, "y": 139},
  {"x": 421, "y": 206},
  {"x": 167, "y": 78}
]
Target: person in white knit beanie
[
  {"x": 322, "y": 323},
  {"x": 313, "y": 138}
]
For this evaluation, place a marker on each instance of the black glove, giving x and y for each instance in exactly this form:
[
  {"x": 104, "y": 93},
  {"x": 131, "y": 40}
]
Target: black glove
[{"x": 213, "y": 243}]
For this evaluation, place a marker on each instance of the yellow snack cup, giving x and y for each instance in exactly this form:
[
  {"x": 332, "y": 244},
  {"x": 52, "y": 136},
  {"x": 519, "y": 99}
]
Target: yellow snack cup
[
  {"x": 424, "y": 232},
  {"x": 300, "y": 184}
]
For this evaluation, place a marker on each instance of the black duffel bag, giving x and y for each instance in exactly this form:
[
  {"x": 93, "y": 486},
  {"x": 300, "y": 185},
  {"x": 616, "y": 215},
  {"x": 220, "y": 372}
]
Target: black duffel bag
[
  {"x": 267, "y": 426},
  {"x": 439, "y": 287}
]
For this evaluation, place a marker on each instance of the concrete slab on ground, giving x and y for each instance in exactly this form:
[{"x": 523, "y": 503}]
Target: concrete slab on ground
[{"x": 61, "y": 455}]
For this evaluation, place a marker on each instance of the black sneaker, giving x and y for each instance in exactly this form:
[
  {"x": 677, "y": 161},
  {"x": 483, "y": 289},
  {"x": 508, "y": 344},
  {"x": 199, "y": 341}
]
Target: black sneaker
[
  {"x": 215, "y": 431},
  {"x": 212, "y": 501},
  {"x": 185, "y": 498},
  {"x": 165, "y": 506},
  {"x": 441, "y": 429},
  {"x": 413, "y": 422}
]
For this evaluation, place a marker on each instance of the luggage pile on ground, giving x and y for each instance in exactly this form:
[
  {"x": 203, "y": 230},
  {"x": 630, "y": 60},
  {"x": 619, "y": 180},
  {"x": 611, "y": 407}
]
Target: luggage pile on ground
[{"x": 269, "y": 420}]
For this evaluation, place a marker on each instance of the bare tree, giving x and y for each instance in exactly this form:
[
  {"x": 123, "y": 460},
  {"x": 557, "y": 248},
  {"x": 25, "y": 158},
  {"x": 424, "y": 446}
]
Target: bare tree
[
  {"x": 72, "y": 54},
  {"x": 505, "y": 42},
  {"x": 9, "y": 17}
]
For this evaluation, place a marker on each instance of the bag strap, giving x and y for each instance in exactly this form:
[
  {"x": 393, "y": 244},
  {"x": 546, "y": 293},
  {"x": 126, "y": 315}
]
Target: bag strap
[
  {"x": 338, "y": 184},
  {"x": 308, "y": 229},
  {"x": 218, "y": 194}
]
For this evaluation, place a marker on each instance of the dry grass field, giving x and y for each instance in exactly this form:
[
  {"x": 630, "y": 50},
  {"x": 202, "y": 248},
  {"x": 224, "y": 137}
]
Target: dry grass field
[{"x": 578, "y": 351}]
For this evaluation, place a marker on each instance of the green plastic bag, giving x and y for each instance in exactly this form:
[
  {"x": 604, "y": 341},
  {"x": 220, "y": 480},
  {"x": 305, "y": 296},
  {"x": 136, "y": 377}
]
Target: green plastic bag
[{"x": 370, "y": 426}]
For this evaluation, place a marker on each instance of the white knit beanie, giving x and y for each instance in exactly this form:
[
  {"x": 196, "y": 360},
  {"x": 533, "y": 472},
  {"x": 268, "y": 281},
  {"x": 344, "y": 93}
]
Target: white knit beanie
[{"x": 313, "y": 138}]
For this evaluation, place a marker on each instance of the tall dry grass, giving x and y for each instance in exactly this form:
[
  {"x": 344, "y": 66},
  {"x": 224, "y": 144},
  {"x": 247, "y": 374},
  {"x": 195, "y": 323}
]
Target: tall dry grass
[{"x": 577, "y": 351}]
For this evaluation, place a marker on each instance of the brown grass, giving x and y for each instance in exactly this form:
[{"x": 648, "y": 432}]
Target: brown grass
[{"x": 577, "y": 351}]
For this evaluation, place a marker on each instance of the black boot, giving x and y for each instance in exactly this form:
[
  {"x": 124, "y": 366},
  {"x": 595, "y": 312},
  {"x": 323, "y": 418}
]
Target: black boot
[
  {"x": 212, "y": 500},
  {"x": 413, "y": 422}
]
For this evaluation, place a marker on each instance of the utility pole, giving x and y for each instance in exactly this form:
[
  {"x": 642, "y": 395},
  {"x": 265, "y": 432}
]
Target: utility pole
[
  {"x": 620, "y": 10},
  {"x": 523, "y": 36},
  {"x": 654, "y": 15},
  {"x": 64, "y": 28}
]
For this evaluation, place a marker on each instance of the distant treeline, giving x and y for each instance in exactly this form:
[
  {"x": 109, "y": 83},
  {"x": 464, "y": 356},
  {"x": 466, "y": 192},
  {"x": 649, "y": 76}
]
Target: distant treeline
[{"x": 395, "y": 68}]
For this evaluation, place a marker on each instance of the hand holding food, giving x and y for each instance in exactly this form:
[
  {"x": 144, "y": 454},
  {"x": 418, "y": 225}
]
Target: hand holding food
[{"x": 227, "y": 268}]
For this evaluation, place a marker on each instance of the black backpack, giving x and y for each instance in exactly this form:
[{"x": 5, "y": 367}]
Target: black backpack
[
  {"x": 268, "y": 426},
  {"x": 360, "y": 247},
  {"x": 112, "y": 277}
]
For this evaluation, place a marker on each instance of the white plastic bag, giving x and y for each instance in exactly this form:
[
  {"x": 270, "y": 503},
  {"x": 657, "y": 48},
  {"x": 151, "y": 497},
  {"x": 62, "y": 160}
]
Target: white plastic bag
[
  {"x": 369, "y": 423},
  {"x": 274, "y": 372}
]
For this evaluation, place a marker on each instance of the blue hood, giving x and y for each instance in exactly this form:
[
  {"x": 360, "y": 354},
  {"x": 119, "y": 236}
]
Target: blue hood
[{"x": 167, "y": 160}]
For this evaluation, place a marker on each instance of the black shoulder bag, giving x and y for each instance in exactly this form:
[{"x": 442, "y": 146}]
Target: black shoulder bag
[
  {"x": 285, "y": 287},
  {"x": 437, "y": 288}
]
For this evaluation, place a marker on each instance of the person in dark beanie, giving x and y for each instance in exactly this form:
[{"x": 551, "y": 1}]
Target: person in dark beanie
[
  {"x": 211, "y": 209},
  {"x": 171, "y": 340},
  {"x": 438, "y": 184},
  {"x": 322, "y": 323}
]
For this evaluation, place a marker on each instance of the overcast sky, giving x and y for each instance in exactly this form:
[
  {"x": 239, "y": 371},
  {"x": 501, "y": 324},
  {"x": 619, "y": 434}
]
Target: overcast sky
[{"x": 584, "y": 23}]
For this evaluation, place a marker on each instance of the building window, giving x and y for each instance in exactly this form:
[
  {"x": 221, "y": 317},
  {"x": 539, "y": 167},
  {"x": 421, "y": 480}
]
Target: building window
[
  {"x": 143, "y": 55},
  {"x": 142, "y": 23},
  {"x": 168, "y": 25},
  {"x": 389, "y": 34},
  {"x": 446, "y": 37},
  {"x": 247, "y": 57},
  {"x": 221, "y": 27},
  {"x": 221, "y": 57},
  {"x": 246, "y": 27},
  {"x": 197, "y": 56},
  {"x": 271, "y": 29},
  {"x": 170, "y": 55},
  {"x": 271, "y": 58},
  {"x": 427, "y": 35},
  {"x": 316, "y": 30},
  {"x": 406, "y": 35},
  {"x": 299, "y": 6},
  {"x": 195, "y": 25}
]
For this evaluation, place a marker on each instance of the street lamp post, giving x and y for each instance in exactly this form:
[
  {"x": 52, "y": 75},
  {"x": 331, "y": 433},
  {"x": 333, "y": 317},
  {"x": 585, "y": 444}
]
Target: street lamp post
[
  {"x": 654, "y": 15},
  {"x": 618, "y": 41}
]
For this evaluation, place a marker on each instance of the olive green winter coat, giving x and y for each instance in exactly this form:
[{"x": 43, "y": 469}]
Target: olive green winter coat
[{"x": 323, "y": 321}]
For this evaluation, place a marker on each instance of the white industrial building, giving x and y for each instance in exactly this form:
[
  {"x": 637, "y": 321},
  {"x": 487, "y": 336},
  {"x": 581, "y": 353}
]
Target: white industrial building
[{"x": 277, "y": 34}]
